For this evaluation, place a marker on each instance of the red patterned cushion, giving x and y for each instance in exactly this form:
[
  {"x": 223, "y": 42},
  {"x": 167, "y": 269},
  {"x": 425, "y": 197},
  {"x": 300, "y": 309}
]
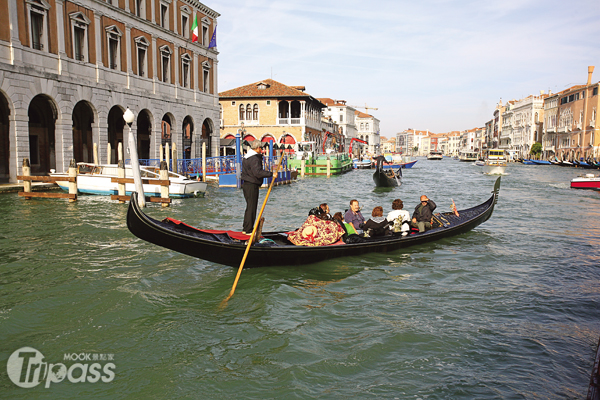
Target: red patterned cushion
[{"x": 316, "y": 232}]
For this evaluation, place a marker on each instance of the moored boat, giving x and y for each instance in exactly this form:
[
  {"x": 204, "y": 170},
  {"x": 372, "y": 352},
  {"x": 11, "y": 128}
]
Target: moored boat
[
  {"x": 228, "y": 247},
  {"x": 541, "y": 162},
  {"x": 97, "y": 179},
  {"x": 586, "y": 181}
]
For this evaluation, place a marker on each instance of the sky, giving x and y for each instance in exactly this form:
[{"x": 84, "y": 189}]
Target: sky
[{"x": 437, "y": 65}]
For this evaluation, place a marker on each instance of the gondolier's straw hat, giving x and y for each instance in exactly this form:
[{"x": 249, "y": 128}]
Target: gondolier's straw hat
[{"x": 256, "y": 144}]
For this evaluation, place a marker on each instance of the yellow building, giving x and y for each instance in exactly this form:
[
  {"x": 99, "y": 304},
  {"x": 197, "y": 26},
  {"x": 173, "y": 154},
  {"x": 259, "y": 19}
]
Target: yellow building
[{"x": 271, "y": 111}]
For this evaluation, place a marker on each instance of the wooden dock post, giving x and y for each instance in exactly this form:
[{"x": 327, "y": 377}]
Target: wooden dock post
[
  {"x": 328, "y": 166},
  {"x": 302, "y": 167},
  {"x": 174, "y": 158},
  {"x": 120, "y": 185},
  {"x": 203, "y": 161},
  {"x": 27, "y": 183},
  {"x": 120, "y": 173},
  {"x": 95, "y": 153},
  {"x": 26, "y": 172},
  {"x": 164, "y": 176},
  {"x": 167, "y": 156},
  {"x": 160, "y": 152},
  {"x": 73, "y": 183},
  {"x": 108, "y": 151}
]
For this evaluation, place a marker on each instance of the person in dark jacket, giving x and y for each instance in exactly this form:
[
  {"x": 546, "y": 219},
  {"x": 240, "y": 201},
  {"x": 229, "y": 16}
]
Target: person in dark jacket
[
  {"x": 253, "y": 175},
  {"x": 423, "y": 215},
  {"x": 377, "y": 225}
]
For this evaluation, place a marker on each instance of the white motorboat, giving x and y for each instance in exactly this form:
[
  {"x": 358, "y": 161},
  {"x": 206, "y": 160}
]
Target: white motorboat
[
  {"x": 495, "y": 162},
  {"x": 586, "y": 181},
  {"x": 435, "y": 155},
  {"x": 470, "y": 156},
  {"x": 97, "y": 179}
]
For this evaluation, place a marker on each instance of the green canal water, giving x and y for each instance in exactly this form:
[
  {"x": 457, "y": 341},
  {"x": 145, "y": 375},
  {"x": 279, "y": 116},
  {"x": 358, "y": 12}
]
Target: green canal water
[{"x": 509, "y": 310}]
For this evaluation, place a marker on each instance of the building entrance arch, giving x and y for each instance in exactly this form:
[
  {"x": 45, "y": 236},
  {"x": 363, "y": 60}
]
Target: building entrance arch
[
  {"x": 4, "y": 139},
  {"x": 116, "y": 123},
  {"x": 83, "y": 144},
  {"x": 42, "y": 125}
]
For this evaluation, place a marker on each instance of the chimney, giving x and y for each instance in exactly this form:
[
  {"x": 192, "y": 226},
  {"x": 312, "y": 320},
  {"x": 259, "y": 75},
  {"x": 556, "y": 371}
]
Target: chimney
[{"x": 590, "y": 72}]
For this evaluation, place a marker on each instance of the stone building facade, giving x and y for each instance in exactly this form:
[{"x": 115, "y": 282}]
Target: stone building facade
[
  {"x": 69, "y": 69},
  {"x": 271, "y": 111}
]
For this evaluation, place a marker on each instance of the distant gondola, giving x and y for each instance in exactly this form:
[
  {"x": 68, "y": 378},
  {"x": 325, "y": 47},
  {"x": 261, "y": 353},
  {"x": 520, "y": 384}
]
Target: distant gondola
[
  {"x": 227, "y": 247},
  {"x": 386, "y": 177}
]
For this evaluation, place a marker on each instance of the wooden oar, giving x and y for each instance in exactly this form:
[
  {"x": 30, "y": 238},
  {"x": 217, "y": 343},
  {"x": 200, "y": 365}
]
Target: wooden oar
[{"x": 251, "y": 239}]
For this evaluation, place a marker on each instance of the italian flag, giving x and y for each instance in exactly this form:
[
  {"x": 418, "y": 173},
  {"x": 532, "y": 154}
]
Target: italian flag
[{"x": 195, "y": 29}]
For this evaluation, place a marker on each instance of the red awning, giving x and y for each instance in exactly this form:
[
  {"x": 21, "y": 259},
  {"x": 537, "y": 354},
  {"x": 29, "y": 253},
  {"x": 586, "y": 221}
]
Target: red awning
[
  {"x": 249, "y": 138},
  {"x": 288, "y": 139}
]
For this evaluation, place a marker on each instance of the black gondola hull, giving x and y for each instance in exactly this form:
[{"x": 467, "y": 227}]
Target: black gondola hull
[
  {"x": 219, "y": 248},
  {"x": 381, "y": 179}
]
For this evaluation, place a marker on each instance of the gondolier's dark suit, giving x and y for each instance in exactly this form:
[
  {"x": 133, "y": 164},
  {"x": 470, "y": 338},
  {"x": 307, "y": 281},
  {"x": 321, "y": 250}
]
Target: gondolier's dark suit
[{"x": 252, "y": 175}]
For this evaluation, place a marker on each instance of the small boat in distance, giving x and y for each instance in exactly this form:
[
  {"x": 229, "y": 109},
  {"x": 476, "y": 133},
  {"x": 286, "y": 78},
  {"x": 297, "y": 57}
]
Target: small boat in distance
[
  {"x": 586, "y": 181},
  {"x": 386, "y": 177},
  {"x": 97, "y": 179},
  {"x": 469, "y": 156},
  {"x": 435, "y": 155},
  {"x": 495, "y": 162}
]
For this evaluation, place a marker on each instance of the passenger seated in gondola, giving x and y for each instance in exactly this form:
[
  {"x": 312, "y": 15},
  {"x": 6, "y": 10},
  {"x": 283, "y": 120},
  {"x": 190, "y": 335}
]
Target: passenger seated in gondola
[
  {"x": 423, "y": 215},
  {"x": 377, "y": 225},
  {"x": 399, "y": 218},
  {"x": 322, "y": 211},
  {"x": 354, "y": 217},
  {"x": 317, "y": 230}
]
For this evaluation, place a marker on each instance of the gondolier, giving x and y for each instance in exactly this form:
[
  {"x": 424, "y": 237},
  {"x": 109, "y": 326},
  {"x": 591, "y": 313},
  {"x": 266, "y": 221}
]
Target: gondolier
[{"x": 253, "y": 175}]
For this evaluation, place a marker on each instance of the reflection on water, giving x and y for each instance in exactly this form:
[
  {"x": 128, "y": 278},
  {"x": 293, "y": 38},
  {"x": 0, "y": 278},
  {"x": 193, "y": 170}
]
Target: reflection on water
[{"x": 508, "y": 310}]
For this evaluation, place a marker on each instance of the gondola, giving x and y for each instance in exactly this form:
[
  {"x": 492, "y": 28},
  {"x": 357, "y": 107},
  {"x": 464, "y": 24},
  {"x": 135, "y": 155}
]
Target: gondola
[
  {"x": 386, "y": 178},
  {"x": 227, "y": 247}
]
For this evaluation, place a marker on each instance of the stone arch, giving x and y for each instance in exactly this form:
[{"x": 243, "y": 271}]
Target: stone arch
[
  {"x": 5, "y": 112},
  {"x": 187, "y": 131},
  {"x": 42, "y": 114},
  {"x": 207, "y": 134},
  {"x": 116, "y": 124},
  {"x": 167, "y": 123},
  {"x": 144, "y": 133},
  {"x": 83, "y": 143}
]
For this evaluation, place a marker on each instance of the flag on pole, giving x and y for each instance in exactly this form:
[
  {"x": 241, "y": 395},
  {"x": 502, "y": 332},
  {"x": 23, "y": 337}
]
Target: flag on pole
[
  {"x": 213, "y": 40},
  {"x": 195, "y": 29}
]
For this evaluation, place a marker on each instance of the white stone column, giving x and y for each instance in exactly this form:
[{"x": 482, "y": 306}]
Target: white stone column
[
  {"x": 19, "y": 131},
  {"x": 99, "y": 37},
  {"x": 102, "y": 138},
  {"x": 15, "y": 57},
  {"x": 63, "y": 141},
  {"x": 177, "y": 64},
  {"x": 129, "y": 58},
  {"x": 175, "y": 19},
  {"x": 154, "y": 56},
  {"x": 60, "y": 23},
  {"x": 195, "y": 65}
]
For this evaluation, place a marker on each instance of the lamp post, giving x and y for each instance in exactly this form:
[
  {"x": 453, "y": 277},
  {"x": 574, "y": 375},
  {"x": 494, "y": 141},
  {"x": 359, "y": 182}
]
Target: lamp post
[{"x": 128, "y": 116}]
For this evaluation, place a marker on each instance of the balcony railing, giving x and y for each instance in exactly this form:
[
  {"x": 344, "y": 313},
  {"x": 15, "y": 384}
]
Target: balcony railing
[
  {"x": 289, "y": 121},
  {"x": 37, "y": 45}
]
